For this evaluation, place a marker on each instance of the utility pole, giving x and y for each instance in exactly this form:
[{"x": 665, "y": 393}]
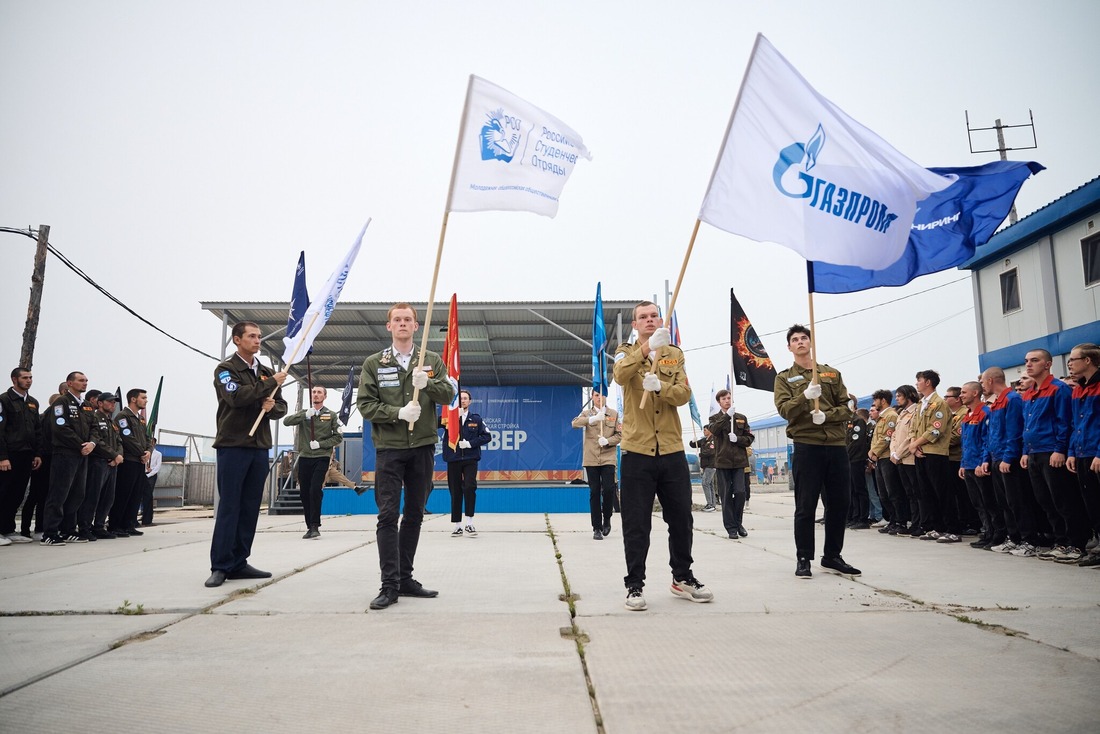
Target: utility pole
[
  {"x": 34, "y": 308},
  {"x": 1001, "y": 147}
]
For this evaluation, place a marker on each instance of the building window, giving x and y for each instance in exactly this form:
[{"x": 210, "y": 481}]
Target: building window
[
  {"x": 1010, "y": 291},
  {"x": 1090, "y": 258}
]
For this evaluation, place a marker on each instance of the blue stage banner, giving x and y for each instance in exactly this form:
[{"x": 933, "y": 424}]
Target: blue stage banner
[{"x": 532, "y": 436}]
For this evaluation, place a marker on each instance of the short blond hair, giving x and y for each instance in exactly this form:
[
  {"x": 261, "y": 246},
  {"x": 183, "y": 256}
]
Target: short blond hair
[{"x": 399, "y": 306}]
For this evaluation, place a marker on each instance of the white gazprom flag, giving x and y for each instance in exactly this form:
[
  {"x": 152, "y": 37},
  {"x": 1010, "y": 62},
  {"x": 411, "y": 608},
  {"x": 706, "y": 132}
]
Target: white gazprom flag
[
  {"x": 511, "y": 155},
  {"x": 318, "y": 313},
  {"x": 795, "y": 170}
]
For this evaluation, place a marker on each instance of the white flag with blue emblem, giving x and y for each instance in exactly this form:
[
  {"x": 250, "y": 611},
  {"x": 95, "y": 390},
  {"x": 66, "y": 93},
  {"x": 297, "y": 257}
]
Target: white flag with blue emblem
[
  {"x": 794, "y": 169},
  {"x": 319, "y": 311},
  {"x": 512, "y": 156}
]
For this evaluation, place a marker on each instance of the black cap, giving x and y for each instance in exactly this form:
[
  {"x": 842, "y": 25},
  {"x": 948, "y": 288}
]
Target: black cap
[{"x": 107, "y": 396}]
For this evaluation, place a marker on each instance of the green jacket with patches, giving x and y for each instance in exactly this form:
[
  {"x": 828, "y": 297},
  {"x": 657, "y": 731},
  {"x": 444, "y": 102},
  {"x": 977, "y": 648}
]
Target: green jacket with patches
[
  {"x": 796, "y": 409},
  {"x": 385, "y": 387},
  {"x": 325, "y": 430},
  {"x": 241, "y": 394}
]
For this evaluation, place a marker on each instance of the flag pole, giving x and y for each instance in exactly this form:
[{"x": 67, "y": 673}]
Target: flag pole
[
  {"x": 442, "y": 236},
  {"x": 309, "y": 393},
  {"x": 672, "y": 303},
  {"x": 813, "y": 339},
  {"x": 289, "y": 362}
]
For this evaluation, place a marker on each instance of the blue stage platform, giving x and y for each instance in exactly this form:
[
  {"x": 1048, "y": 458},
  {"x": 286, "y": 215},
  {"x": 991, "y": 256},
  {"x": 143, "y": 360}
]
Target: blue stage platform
[{"x": 554, "y": 498}]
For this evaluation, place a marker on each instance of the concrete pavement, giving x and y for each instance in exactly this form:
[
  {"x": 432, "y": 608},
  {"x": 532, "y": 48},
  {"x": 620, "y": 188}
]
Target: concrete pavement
[{"x": 930, "y": 636}]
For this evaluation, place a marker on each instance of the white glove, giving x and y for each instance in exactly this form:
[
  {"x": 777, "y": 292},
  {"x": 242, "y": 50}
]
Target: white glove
[
  {"x": 651, "y": 382},
  {"x": 410, "y": 412},
  {"x": 315, "y": 445},
  {"x": 420, "y": 378},
  {"x": 818, "y": 417},
  {"x": 598, "y": 416},
  {"x": 603, "y": 441},
  {"x": 660, "y": 338},
  {"x": 813, "y": 392},
  {"x": 464, "y": 444},
  {"x": 312, "y": 412},
  {"x": 733, "y": 438}
]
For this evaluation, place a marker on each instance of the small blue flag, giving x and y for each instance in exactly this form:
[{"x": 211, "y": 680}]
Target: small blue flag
[
  {"x": 345, "y": 400},
  {"x": 948, "y": 227},
  {"x": 599, "y": 345},
  {"x": 299, "y": 299}
]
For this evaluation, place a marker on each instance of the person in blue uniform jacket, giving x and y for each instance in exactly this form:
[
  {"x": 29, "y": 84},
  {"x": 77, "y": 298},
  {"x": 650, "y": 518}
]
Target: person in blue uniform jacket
[{"x": 462, "y": 464}]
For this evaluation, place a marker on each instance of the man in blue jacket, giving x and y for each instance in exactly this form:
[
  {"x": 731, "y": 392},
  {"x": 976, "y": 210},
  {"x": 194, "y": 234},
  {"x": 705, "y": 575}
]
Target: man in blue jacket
[
  {"x": 975, "y": 452},
  {"x": 1084, "y": 444},
  {"x": 1047, "y": 419},
  {"x": 462, "y": 462},
  {"x": 1006, "y": 429}
]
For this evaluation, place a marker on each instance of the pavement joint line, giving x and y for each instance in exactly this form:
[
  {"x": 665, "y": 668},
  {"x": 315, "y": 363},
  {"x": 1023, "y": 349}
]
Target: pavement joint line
[{"x": 574, "y": 632}]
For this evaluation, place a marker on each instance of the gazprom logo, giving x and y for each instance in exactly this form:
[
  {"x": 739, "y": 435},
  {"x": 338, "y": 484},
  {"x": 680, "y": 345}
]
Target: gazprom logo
[
  {"x": 500, "y": 136},
  {"x": 831, "y": 198}
]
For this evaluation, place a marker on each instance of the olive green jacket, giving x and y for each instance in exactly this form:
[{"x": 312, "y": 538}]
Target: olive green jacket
[
  {"x": 655, "y": 429},
  {"x": 796, "y": 409},
  {"x": 385, "y": 387},
  {"x": 325, "y": 430}
]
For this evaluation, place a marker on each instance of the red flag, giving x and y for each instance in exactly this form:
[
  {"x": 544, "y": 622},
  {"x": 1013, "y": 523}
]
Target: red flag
[{"x": 450, "y": 359}]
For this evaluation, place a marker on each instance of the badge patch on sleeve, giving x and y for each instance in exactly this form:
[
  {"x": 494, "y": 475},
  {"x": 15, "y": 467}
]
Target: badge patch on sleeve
[{"x": 231, "y": 387}]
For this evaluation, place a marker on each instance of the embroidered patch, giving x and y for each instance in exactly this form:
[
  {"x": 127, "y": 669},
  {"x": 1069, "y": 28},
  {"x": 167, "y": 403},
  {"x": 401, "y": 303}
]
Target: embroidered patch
[
  {"x": 796, "y": 378},
  {"x": 620, "y": 356},
  {"x": 827, "y": 374},
  {"x": 939, "y": 414},
  {"x": 937, "y": 424},
  {"x": 126, "y": 432},
  {"x": 223, "y": 374},
  {"x": 121, "y": 422},
  {"x": 429, "y": 371},
  {"x": 856, "y": 428},
  {"x": 389, "y": 383},
  {"x": 387, "y": 370},
  {"x": 58, "y": 410},
  {"x": 225, "y": 379},
  {"x": 891, "y": 424},
  {"x": 669, "y": 362},
  {"x": 60, "y": 421},
  {"x": 325, "y": 417},
  {"x": 231, "y": 387}
]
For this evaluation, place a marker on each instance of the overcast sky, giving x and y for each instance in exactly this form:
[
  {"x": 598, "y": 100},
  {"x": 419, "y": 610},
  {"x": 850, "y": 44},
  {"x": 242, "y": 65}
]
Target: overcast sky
[{"x": 186, "y": 152}]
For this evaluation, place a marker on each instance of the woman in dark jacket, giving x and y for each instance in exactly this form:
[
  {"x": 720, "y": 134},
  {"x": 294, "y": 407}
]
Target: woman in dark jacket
[{"x": 462, "y": 464}]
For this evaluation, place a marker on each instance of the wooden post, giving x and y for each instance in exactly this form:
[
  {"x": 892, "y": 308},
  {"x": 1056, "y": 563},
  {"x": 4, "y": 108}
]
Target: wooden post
[{"x": 34, "y": 307}]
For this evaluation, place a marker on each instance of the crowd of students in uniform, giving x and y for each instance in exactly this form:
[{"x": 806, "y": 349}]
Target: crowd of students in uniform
[{"x": 1015, "y": 465}]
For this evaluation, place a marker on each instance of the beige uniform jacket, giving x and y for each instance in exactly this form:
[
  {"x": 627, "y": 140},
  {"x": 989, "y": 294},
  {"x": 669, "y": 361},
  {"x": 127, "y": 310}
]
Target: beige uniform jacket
[
  {"x": 899, "y": 443},
  {"x": 934, "y": 425},
  {"x": 884, "y": 431},
  {"x": 655, "y": 429},
  {"x": 594, "y": 454}
]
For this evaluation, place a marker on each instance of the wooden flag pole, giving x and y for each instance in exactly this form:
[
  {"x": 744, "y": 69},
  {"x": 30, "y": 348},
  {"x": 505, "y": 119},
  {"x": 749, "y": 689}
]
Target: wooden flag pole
[
  {"x": 672, "y": 303},
  {"x": 428, "y": 311},
  {"x": 813, "y": 339},
  {"x": 289, "y": 362}
]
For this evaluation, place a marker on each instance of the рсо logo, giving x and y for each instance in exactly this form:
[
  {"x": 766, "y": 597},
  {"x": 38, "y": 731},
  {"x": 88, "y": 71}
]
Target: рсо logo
[
  {"x": 500, "y": 136},
  {"x": 850, "y": 205}
]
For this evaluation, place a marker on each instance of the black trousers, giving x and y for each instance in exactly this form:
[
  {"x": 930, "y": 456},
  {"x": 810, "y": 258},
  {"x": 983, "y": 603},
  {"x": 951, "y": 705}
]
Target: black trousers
[
  {"x": 907, "y": 473},
  {"x": 93, "y": 488},
  {"x": 1060, "y": 497},
  {"x": 128, "y": 480},
  {"x": 106, "y": 498},
  {"x": 462, "y": 482},
  {"x": 67, "y": 476},
  {"x": 1010, "y": 488},
  {"x": 147, "y": 500},
  {"x": 601, "y": 494},
  {"x": 311, "y": 483},
  {"x": 931, "y": 471},
  {"x": 1088, "y": 482},
  {"x": 394, "y": 469},
  {"x": 241, "y": 476},
  {"x": 666, "y": 478},
  {"x": 820, "y": 472},
  {"x": 887, "y": 482},
  {"x": 733, "y": 490},
  {"x": 13, "y": 488},
  {"x": 859, "y": 507},
  {"x": 984, "y": 499},
  {"x": 967, "y": 511},
  {"x": 34, "y": 507}
]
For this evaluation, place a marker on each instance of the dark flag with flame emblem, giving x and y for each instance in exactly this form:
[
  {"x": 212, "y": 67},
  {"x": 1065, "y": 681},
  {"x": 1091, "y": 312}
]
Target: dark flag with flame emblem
[{"x": 752, "y": 367}]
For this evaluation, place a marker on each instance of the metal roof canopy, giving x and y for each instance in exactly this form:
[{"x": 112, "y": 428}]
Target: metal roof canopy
[{"x": 502, "y": 343}]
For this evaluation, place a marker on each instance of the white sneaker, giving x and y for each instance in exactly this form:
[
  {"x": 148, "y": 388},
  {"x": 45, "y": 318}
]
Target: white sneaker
[
  {"x": 4, "y": 540},
  {"x": 1006, "y": 547},
  {"x": 635, "y": 602},
  {"x": 1068, "y": 554},
  {"x": 879, "y": 524},
  {"x": 17, "y": 538},
  {"x": 457, "y": 533},
  {"x": 1023, "y": 550},
  {"x": 1049, "y": 554},
  {"x": 708, "y": 508},
  {"x": 471, "y": 531},
  {"x": 692, "y": 590}
]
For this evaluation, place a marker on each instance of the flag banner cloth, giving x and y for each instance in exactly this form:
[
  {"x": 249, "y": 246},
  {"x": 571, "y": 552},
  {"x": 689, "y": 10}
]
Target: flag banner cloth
[
  {"x": 346, "y": 397},
  {"x": 948, "y": 227},
  {"x": 452, "y": 361},
  {"x": 512, "y": 156},
  {"x": 299, "y": 298},
  {"x": 154, "y": 414},
  {"x": 751, "y": 364},
  {"x": 599, "y": 346},
  {"x": 319, "y": 312},
  {"x": 794, "y": 169}
]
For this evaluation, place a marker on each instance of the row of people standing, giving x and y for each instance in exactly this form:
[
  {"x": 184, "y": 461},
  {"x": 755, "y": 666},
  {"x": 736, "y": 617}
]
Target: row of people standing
[{"x": 79, "y": 471}]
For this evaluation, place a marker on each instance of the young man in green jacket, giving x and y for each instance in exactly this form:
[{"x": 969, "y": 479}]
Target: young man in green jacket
[
  {"x": 318, "y": 434},
  {"x": 404, "y": 433}
]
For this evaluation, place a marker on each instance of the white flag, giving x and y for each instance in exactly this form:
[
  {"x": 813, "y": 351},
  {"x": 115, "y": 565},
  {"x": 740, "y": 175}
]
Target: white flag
[
  {"x": 796, "y": 170},
  {"x": 318, "y": 313},
  {"x": 511, "y": 155}
]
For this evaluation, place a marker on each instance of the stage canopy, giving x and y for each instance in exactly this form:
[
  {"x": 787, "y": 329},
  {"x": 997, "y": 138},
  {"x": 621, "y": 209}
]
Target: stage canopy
[{"x": 503, "y": 343}]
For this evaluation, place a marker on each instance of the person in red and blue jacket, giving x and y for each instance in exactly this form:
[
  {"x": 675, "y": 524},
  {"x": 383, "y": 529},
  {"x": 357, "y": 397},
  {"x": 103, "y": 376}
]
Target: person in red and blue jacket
[
  {"x": 1047, "y": 419},
  {"x": 975, "y": 452},
  {"x": 1006, "y": 437},
  {"x": 1084, "y": 443},
  {"x": 462, "y": 464}
]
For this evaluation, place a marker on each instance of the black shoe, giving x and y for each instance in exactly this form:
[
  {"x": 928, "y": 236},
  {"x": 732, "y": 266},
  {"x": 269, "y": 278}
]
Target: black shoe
[
  {"x": 412, "y": 587},
  {"x": 742, "y": 532},
  {"x": 134, "y": 531},
  {"x": 915, "y": 531},
  {"x": 103, "y": 534},
  {"x": 119, "y": 532},
  {"x": 887, "y": 528},
  {"x": 838, "y": 564},
  {"x": 860, "y": 525},
  {"x": 606, "y": 530},
  {"x": 981, "y": 543},
  {"x": 385, "y": 598},
  {"x": 360, "y": 489},
  {"x": 217, "y": 578},
  {"x": 311, "y": 534},
  {"x": 894, "y": 530},
  {"x": 88, "y": 535},
  {"x": 802, "y": 570},
  {"x": 248, "y": 572},
  {"x": 597, "y": 535}
]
